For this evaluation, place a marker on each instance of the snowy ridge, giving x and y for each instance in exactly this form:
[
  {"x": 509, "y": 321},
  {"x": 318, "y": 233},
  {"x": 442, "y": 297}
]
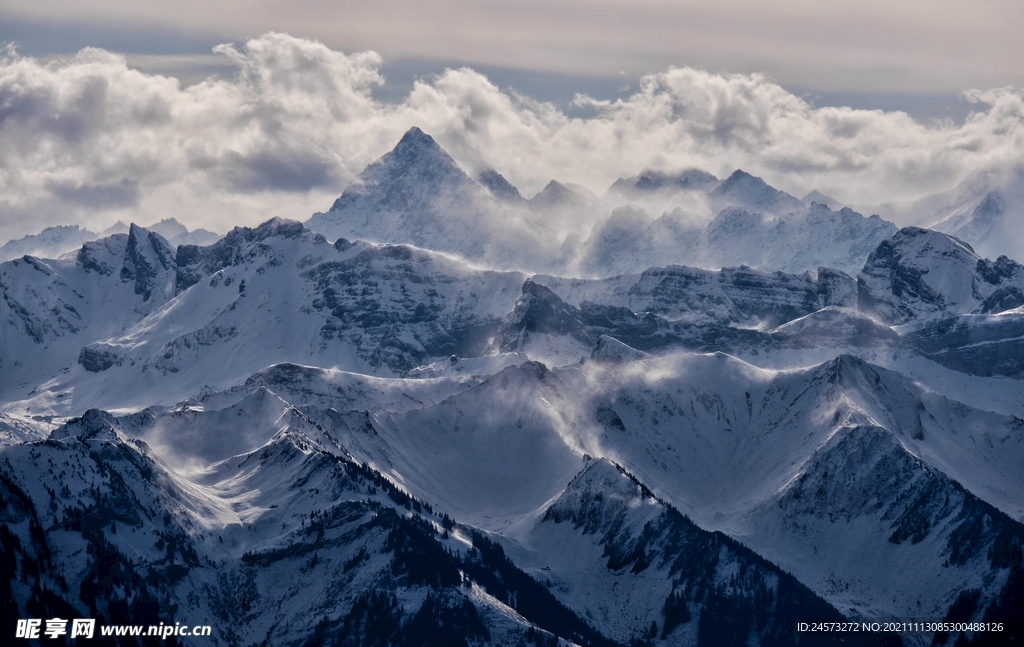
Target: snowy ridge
[
  {"x": 606, "y": 532},
  {"x": 54, "y": 307},
  {"x": 305, "y": 293},
  {"x": 237, "y": 542}
]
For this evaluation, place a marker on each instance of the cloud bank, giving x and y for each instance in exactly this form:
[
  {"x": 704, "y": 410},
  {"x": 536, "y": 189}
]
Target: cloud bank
[{"x": 88, "y": 140}]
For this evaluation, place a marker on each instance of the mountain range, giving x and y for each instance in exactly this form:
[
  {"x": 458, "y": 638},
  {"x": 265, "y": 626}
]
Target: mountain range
[
  {"x": 418, "y": 195},
  {"x": 57, "y": 241},
  {"x": 401, "y": 423}
]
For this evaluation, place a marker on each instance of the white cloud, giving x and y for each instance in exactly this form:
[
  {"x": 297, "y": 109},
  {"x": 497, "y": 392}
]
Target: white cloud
[{"x": 89, "y": 140}]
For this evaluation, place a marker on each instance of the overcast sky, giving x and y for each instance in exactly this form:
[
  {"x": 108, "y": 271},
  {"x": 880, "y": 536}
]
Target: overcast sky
[
  {"x": 833, "y": 45},
  {"x": 287, "y": 120}
]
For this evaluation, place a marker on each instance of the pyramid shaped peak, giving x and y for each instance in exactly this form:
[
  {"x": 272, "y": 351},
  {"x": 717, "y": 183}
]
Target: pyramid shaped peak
[
  {"x": 741, "y": 182},
  {"x": 168, "y": 228},
  {"x": 611, "y": 350},
  {"x": 739, "y": 175},
  {"x": 117, "y": 228},
  {"x": 141, "y": 239},
  {"x": 554, "y": 187},
  {"x": 605, "y": 476},
  {"x": 415, "y": 134},
  {"x": 418, "y": 155},
  {"x": 817, "y": 197},
  {"x": 417, "y": 142},
  {"x": 555, "y": 193}
]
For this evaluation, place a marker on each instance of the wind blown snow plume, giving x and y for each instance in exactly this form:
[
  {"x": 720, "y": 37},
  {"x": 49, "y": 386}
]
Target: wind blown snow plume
[{"x": 88, "y": 138}]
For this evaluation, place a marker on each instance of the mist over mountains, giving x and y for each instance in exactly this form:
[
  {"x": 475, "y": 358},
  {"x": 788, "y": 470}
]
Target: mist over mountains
[
  {"x": 692, "y": 410},
  {"x": 417, "y": 194}
]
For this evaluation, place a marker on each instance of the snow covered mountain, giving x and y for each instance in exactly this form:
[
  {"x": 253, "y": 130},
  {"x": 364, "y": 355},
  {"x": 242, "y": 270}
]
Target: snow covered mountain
[
  {"x": 301, "y": 440},
  {"x": 250, "y": 499},
  {"x": 742, "y": 189},
  {"x": 820, "y": 198},
  {"x": 49, "y": 243},
  {"x": 418, "y": 195},
  {"x": 985, "y": 210},
  {"x": 568, "y": 209},
  {"x": 655, "y": 182},
  {"x": 213, "y": 315},
  {"x": 919, "y": 273},
  {"x": 56, "y": 241},
  {"x": 500, "y": 188},
  {"x": 53, "y": 308},
  {"x": 749, "y": 223}
]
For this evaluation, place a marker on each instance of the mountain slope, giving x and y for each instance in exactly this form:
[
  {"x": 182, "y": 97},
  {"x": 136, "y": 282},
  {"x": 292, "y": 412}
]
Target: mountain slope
[
  {"x": 739, "y": 449},
  {"x": 52, "y": 308},
  {"x": 630, "y": 561},
  {"x": 312, "y": 417},
  {"x": 293, "y": 541},
  {"x": 326, "y": 547}
]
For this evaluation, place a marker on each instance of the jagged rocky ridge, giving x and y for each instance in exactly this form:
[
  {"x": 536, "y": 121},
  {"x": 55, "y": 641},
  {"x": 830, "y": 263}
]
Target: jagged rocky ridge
[
  {"x": 154, "y": 320},
  {"x": 56, "y": 241}
]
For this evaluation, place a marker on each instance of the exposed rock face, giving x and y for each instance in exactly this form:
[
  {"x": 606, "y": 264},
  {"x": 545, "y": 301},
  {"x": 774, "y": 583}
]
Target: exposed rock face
[
  {"x": 240, "y": 244},
  {"x": 54, "y": 242},
  {"x": 149, "y": 262},
  {"x": 920, "y": 273},
  {"x": 977, "y": 344},
  {"x": 539, "y": 310},
  {"x": 97, "y": 357}
]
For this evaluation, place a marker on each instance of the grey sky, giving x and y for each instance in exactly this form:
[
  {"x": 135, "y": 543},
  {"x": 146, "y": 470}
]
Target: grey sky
[{"x": 911, "y": 54}]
